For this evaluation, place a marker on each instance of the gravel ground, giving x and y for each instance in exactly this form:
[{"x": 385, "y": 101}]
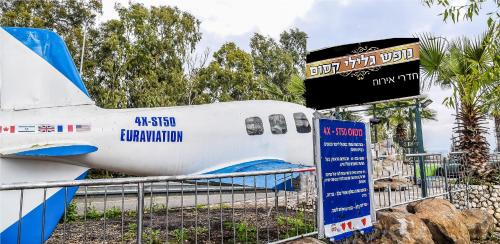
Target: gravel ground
[{"x": 267, "y": 223}]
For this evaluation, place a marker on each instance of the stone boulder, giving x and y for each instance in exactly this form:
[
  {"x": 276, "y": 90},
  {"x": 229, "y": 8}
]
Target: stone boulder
[
  {"x": 395, "y": 185},
  {"x": 479, "y": 223},
  {"x": 445, "y": 222},
  {"x": 401, "y": 227}
]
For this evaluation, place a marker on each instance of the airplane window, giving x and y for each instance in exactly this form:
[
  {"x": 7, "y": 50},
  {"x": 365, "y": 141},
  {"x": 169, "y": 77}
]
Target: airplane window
[
  {"x": 301, "y": 123},
  {"x": 254, "y": 126},
  {"x": 278, "y": 123}
]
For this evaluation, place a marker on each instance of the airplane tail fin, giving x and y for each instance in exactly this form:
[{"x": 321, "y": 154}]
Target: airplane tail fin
[{"x": 37, "y": 71}]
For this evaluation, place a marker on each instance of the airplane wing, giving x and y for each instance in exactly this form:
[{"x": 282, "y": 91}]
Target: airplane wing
[{"x": 50, "y": 150}]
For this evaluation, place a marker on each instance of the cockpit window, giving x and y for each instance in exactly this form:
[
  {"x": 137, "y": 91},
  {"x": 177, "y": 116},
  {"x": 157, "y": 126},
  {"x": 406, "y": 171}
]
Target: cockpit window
[
  {"x": 278, "y": 123},
  {"x": 301, "y": 123},
  {"x": 254, "y": 126}
]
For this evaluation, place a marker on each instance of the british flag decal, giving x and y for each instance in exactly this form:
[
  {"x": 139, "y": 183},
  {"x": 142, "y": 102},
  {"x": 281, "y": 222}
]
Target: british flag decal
[{"x": 46, "y": 128}]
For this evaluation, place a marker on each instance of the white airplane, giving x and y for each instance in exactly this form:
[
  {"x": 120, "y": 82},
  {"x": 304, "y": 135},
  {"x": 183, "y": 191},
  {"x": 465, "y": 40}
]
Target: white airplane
[{"x": 50, "y": 130}]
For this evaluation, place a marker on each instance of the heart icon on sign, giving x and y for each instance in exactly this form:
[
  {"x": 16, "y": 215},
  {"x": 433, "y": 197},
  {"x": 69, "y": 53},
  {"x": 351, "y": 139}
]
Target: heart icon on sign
[
  {"x": 350, "y": 225},
  {"x": 343, "y": 226},
  {"x": 363, "y": 221}
]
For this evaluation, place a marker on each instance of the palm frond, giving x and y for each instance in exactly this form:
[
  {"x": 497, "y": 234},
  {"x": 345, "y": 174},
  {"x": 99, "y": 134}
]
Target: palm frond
[{"x": 432, "y": 54}]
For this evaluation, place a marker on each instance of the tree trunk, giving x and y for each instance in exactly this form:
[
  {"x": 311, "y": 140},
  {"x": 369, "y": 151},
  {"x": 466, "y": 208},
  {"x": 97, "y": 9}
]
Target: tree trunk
[
  {"x": 472, "y": 140},
  {"x": 497, "y": 131}
]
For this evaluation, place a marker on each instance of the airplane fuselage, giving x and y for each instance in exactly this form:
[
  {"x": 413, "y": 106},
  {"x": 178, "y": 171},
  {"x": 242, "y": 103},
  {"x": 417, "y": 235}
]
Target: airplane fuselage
[{"x": 167, "y": 141}]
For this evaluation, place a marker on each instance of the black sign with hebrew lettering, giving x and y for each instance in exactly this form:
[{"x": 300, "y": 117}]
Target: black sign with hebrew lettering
[{"x": 363, "y": 72}]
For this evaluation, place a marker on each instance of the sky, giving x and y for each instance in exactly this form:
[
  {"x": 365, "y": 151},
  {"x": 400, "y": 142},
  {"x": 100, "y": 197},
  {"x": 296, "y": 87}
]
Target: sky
[{"x": 329, "y": 23}]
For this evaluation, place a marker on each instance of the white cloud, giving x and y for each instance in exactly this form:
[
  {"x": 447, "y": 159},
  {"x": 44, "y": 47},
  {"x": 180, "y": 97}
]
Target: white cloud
[{"x": 232, "y": 17}]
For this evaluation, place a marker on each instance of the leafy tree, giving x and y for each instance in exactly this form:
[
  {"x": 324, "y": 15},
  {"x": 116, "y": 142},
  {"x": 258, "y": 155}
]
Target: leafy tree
[
  {"x": 268, "y": 72},
  {"x": 68, "y": 18},
  {"x": 492, "y": 98},
  {"x": 279, "y": 66},
  {"x": 462, "y": 65},
  {"x": 294, "y": 42},
  {"x": 137, "y": 60},
  {"x": 271, "y": 62},
  {"x": 466, "y": 11},
  {"x": 398, "y": 116},
  {"x": 229, "y": 76}
]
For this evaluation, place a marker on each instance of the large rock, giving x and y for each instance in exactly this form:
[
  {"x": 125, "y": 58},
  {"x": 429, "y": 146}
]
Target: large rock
[
  {"x": 444, "y": 221},
  {"x": 401, "y": 227},
  {"x": 395, "y": 184},
  {"x": 479, "y": 223}
]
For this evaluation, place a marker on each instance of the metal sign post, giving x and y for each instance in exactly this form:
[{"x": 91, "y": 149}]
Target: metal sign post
[{"x": 345, "y": 189}]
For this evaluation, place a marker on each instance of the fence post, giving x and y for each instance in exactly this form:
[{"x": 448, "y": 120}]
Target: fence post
[
  {"x": 445, "y": 164},
  {"x": 420, "y": 143},
  {"x": 140, "y": 210},
  {"x": 467, "y": 180}
]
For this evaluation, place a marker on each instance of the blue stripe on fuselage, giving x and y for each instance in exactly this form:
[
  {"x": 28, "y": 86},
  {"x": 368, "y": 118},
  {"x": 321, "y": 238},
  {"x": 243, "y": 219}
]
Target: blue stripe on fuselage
[
  {"x": 31, "y": 223},
  {"x": 278, "y": 182},
  {"x": 60, "y": 151}
]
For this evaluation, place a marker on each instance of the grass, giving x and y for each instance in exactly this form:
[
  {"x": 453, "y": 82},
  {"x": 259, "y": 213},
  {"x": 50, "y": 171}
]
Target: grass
[
  {"x": 151, "y": 236},
  {"x": 180, "y": 235},
  {"x": 200, "y": 231},
  {"x": 156, "y": 207},
  {"x": 200, "y": 207},
  {"x": 93, "y": 213},
  {"x": 294, "y": 225},
  {"x": 72, "y": 212},
  {"x": 244, "y": 231},
  {"x": 113, "y": 212},
  {"x": 131, "y": 233}
]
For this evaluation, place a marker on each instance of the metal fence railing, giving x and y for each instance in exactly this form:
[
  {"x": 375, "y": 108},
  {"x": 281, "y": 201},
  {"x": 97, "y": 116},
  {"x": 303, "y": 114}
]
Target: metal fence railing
[
  {"x": 264, "y": 206},
  {"x": 403, "y": 179}
]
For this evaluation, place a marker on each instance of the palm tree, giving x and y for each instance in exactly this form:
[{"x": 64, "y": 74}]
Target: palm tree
[
  {"x": 493, "y": 96},
  {"x": 493, "y": 109},
  {"x": 398, "y": 116},
  {"x": 462, "y": 65}
]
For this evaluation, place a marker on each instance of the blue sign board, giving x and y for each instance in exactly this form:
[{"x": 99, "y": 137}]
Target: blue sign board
[{"x": 344, "y": 170}]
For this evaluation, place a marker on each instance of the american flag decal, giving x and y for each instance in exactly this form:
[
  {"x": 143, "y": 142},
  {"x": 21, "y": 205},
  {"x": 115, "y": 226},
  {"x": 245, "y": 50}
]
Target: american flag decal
[
  {"x": 81, "y": 128},
  {"x": 46, "y": 128}
]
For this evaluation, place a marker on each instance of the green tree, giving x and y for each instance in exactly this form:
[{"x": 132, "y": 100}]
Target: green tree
[
  {"x": 229, "y": 77},
  {"x": 68, "y": 18},
  {"x": 294, "y": 42},
  {"x": 398, "y": 116},
  {"x": 279, "y": 66},
  {"x": 493, "y": 108},
  {"x": 137, "y": 60},
  {"x": 492, "y": 97},
  {"x": 466, "y": 11},
  {"x": 462, "y": 65},
  {"x": 271, "y": 62}
]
